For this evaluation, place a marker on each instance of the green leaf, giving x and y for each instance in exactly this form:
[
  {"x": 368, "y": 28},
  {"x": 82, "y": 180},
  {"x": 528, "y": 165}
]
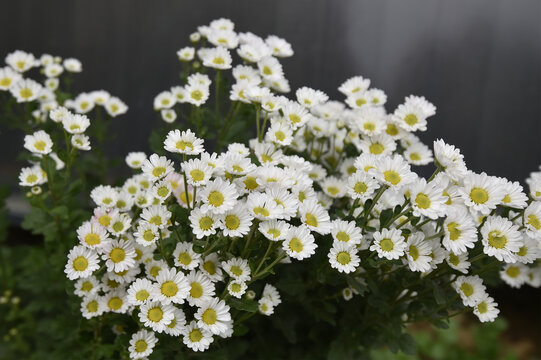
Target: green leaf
[
  {"x": 407, "y": 344},
  {"x": 385, "y": 216},
  {"x": 243, "y": 304}
]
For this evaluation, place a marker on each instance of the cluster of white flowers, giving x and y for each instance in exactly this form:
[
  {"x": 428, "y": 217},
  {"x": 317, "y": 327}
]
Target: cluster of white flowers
[{"x": 320, "y": 168}]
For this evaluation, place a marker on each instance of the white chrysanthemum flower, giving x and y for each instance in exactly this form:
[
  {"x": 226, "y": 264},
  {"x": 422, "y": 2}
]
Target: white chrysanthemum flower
[
  {"x": 237, "y": 268},
  {"x": 21, "y": 61},
  {"x": 196, "y": 338},
  {"x": 346, "y": 232},
  {"x": 168, "y": 115},
  {"x": 501, "y": 239},
  {"x": 530, "y": 250},
  {"x": 418, "y": 154},
  {"x": 458, "y": 262},
  {"x": 203, "y": 223},
  {"x": 81, "y": 142},
  {"x": 389, "y": 243},
  {"x": 218, "y": 196},
  {"x": 365, "y": 162},
  {"x": 247, "y": 75},
  {"x": 157, "y": 215},
  {"x": 92, "y": 306},
  {"x": 481, "y": 192},
  {"x": 236, "y": 164},
  {"x": 142, "y": 344},
  {"x": 514, "y": 194},
  {"x": 216, "y": 58},
  {"x": 236, "y": 288},
  {"x": 280, "y": 47},
  {"x": 197, "y": 171},
  {"x": 154, "y": 267},
  {"x": 356, "y": 84},
  {"x": 8, "y": 77},
  {"x": 156, "y": 315},
  {"x": 115, "y": 301},
  {"x": 271, "y": 293},
  {"x": 487, "y": 309},
  {"x": 470, "y": 289},
  {"x": 333, "y": 187},
  {"x": 460, "y": 230},
  {"x": 412, "y": 114},
  {"x": 139, "y": 292},
  {"x": 146, "y": 234},
  {"x": 236, "y": 222},
  {"x": 534, "y": 277},
  {"x": 73, "y": 65},
  {"x": 53, "y": 70},
  {"x": 184, "y": 256},
  {"x": 115, "y": 107},
  {"x": 361, "y": 186},
  {"x": 299, "y": 243},
  {"x": 171, "y": 287},
  {"x": 314, "y": 216},
  {"x": 266, "y": 306},
  {"x": 92, "y": 235},
  {"x": 120, "y": 223},
  {"x": 119, "y": 255},
  {"x": 26, "y": 90},
  {"x": 201, "y": 289},
  {"x": 84, "y": 103},
  {"x": 87, "y": 286},
  {"x": 270, "y": 68},
  {"x": 38, "y": 143},
  {"x": 369, "y": 121},
  {"x": 381, "y": 145},
  {"x": 157, "y": 167},
  {"x": 279, "y": 133},
  {"x": 343, "y": 257},
  {"x": 532, "y": 220},
  {"x": 210, "y": 266},
  {"x": 262, "y": 206},
  {"x": 186, "y": 53},
  {"x": 184, "y": 142},
  {"x": 31, "y": 176},
  {"x": 450, "y": 159},
  {"x": 82, "y": 262},
  {"x": 427, "y": 199},
  {"x": 418, "y": 253},
  {"x": 100, "y": 97},
  {"x": 214, "y": 316},
  {"x": 296, "y": 115},
  {"x": 75, "y": 123},
  {"x": 393, "y": 171},
  {"x": 135, "y": 160},
  {"x": 274, "y": 230},
  {"x": 164, "y": 100},
  {"x": 309, "y": 98},
  {"x": 286, "y": 203},
  {"x": 176, "y": 326},
  {"x": 358, "y": 100},
  {"x": 197, "y": 94},
  {"x": 240, "y": 91},
  {"x": 514, "y": 275},
  {"x": 161, "y": 190}
]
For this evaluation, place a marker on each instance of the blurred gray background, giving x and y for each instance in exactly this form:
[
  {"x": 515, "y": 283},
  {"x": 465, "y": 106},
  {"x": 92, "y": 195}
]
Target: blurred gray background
[{"x": 478, "y": 61}]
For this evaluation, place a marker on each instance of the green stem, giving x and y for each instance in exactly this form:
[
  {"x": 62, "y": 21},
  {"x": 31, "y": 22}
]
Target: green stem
[{"x": 264, "y": 257}]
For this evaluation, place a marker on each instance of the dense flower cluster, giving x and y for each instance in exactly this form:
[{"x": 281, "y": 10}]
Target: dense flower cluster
[{"x": 185, "y": 244}]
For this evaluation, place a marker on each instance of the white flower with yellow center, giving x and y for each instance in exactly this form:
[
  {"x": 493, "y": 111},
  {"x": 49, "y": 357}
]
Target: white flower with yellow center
[
  {"x": 218, "y": 196},
  {"x": 343, "y": 257},
  {"x": 201, "y": 289},
  {"x": 135, "y": 160},
  {"x": 270, "y": 68},
  {"x": 309, "y": 98},
  {"x": 412, "y": 114},
  {"x": 157, "y": 167},
  {"x": 164, "y": 100},
  {"x": 333, "y": 187},
  {"x": 514, "y": 275},
  {"x": 8, "y": 77},
  {"x": 31, "y": 176},
  {"x": 84, "y": 103},
  {"x": 92, "y": 306},
  {"x": 427, "y": 199},
  {"x": 514, "y": 194},
  {"x": 280, "y": 133},
  {"x": 186, "y": 53},
  {"x": 168, "y": 115},
  {"x": 236, "y": 222},
  {"x": 75, "y": 123},
  {"x": 236, "y": 288},
  {"x": 120, "y": 223},
  {"x": 154, "y": 267},
  {"x": 358, "y": 100},
  {"x": 361, "y": 186},
  {"x": 418, "y": 154},
  {"x": 389, "y": 243},
  {"x": 346, "y": 232},
  {"x": 197, "y": 171},
  {"x": 470, "y": 289},
  {"x": 81, "y": 142},
  {"x": 356, "y": 84},
  {"x": 157, "y": 215},
  {"x": 196, "y": 338},
  {"x": 279, "y": 46},
  {"x": 115, "y": 301},
  {"x": 72, "y": 65},
  {"x": 271, "y": 293},
  {"x": 240, "y": 91},
  {"x": 115, "y": 107},
  {"x": 184, "y": 142},
  {"x": 460, "y": 230},
  {"x": 299, "y": 243},
  {"x": 380, "y": 145},
  {"x": 21, "y": 61},
  {"x": 295, "y": 115},
  {"x": 315, "y": 217},
  {"x": 247, "y": 75},
  {"x": 236, "y": 164},
  {"x": 418, "y": 253},
  {"x": 487, "y": 309},
  {"x": 223, "y": 37},
  {"x": 210, "y": 267},
  {"x": 393, "y": 172},
  {"x": 176, "y": 326},
  {"x": 274, "y": 230},
  {"x": 501, "y": 239},
  {"x": 155, "y": 315},
  {"x": 369, "y": 121},
  {"x": 100, "y": 97},
  {"x": 140, "y": 292},
  {"x": 532, "y": 220},
  {"x": 529, "y": 251},
  {"x": 142, "y": 344},
  {"x": 286, "y": 203},
  {"x": 38, "y": 143},
  {"x": 266, "y": 306},
  {"x": 253, "y": 52},
  {"x": 170, "y": 287},
  {"x": 366, "y": 161},
  {"x": 214, "y": 316},
  {"x": 184, "y": 256},
  {"x": 87, "y": 286},
  {"x": 458, "y": 262},
  {"x": 450, "y": 160},
  {"x": 119, "y": 255},
  {"x": 376, "y": 97},
  {"x": 161, "y": 190},
  {"x": 203, "y": 224},
  {"x": 82, "y": 262},
  {"x": 92, "y": 235},
  {"x": 217, "y": 58},
  {"x": 146, "y": 234},
  {"x": 237, "y": 268}
]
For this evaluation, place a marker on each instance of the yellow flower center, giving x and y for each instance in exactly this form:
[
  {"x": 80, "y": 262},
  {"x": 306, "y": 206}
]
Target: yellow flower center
[
  {"x": 209, "y": 316},
  {"x": 141, "y": 346},
  {"x": 497, "y": 240},
  {"x": 115, "y": 303},
  {"x": 80, "y": 263},
  {"x": 454, "y": 232},
  {"x": 392, "y": 177},
  {"x": 169, "y": 288},
  {"x": 311, "y": 220},
  {"x": 296, "y": 245},
  {"x": 155, "y": 314},
  {"x": 232, "y": 222},
  {"x": 479, "y": 195},
  {"x": 386, "y": 245},
  {"x": 216, "y": 198},
  {"x": 195, "y": 335},
  {"x": 196, "y": 290},
  {"x": 343, "y": 257},
  {"x": 117, "y": 255},
  {"x": 92, "y": 239},
  {"x": 422, "y": 201},
  {"x": 466, "y": 289},
  {"x": 142, "y": 295}
]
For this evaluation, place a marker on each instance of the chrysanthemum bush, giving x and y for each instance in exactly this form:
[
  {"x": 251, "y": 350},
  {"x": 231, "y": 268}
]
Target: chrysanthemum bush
[{"x": 313, "y": 239}]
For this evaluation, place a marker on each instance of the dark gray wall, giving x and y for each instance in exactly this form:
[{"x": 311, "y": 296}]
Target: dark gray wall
[{"x": 477, "y": 60}]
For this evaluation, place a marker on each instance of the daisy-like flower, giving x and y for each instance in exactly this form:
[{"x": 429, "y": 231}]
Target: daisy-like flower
[
  {"x": 8, "y": 77},
  {"x": 514, "y": 275},
  {"x": 236, "y": 222},
  {"x": 214, "y": 316},
  {"x": 38, "y": 143},
  {"x": 203, "y": 224},
  {"x": 81, "y": 142},
  {"x": 381, "y": 145},
  {"x": 361, "y": 186},
  {"x": 218, "y": 196},
  {"x": 87, "y": 286},
  {"x": 309, "y": 98},
  {"x": 487, "y": 309},
  {"x": 369, "y": 121},
  {"x": 532, "y": 219},
  {"x": 142, "y": 344},
  {"x": 343, "y": 257},
  {"x": 139, "y": 292},
  {"x": 458, "y": 262},
  {"x": 92, "y": 306},
  {"x": 356, "y": 84},
  {"x": 154, "y": 267},
  {"x": 418, "y": 154},
  {"x": 418, "y": 252},
  {"x": 104, "y": 195},
  {"x": 135, "y": 160},
  {"x": 299, "y": 243},
  {"x": 119, "y": 255},
  {"x": 82, "y": 262},
  {"x": 21, "y": 61},
  {"x": 31, "y": 176},
  {"x": 164, "y": 100},
  {"x": 25, "y": 90},
  {"x": 389, "y": 243},
  {"x": 280, "y": 133},
  {"x": 171, "y": 287},
  {"x": 216, "y": 58},
  {"x": 346, "y": 232},
  {"x": 197, "y": 94},
  {"x": 186, "y": 53},
  {"x": 236, "y": 164},
  {"x": 72, "y": 65},
  {"x": 274, "y": 230},
  {"x": 237, "y": 288},
  {"x": 146, "y": 234},
  {"x": 196, "y": 338},
  {"x": 514, "y": 195},
  {"x": 115, "y": 107},
  {"x": 84, "y": 103},
  {"x": 155, "y": 315},
  {"x": 270, "y": 68},
  {"x": 266, "y": 306},
  {"x": 161, "y": 190},
  {"x": 450, "y": 160},
  {"x": 201, "y": 289},
  {"x": 529, "y": 252},
  {"x": 279, "y": 46},
  {"x": 427, "y": 199},
  {"x": 460, "y": 230},
  {"x": 120, "y": 223},
  {"x": 237, "y": 268},
  {"x": 157, "y": 215},
  {"x": 168, "y": 115},
  {"x": 157, "y": 167},
  {"x": 296, "y": 115},
  {"x": 412, "y": 115},
  {"x": 315, "y": 217},
  {"x": 501, "y": 238},
  {"x": 184, "y": 142},
  {"x": 176, "y": 326},
  {"x": 470, "y": 289},
  {"x": 365, "y": 162},
  {"x": 333, "y": 187},
  {"x": 197, "y": 171},
  {"x": 271, "y": 293},
  {"x": 210, "y": 267},
  {"x": 75, "y": 123},
  {"x": 393, "y": 171},
  {"x": 92, "y": 235},
  {"x": 185, "y": 257}
]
